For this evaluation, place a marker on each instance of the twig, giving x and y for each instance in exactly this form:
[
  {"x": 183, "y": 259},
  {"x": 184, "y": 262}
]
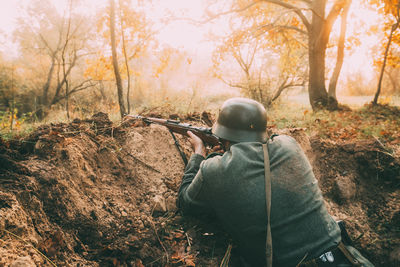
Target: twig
[
  {"x": 26, "y": 242},
  {"x": 145, "y": 164},
  {"x": 92, "y": 138},
  {"x": 304, "y": 257},
  {"x": 188, "y": 239},
  {"x": 150, "y": 263},
  {"x": 379, "y": 141},
  {"x": 159, "y": 240},
  {"x": 166, "y": 218},
  {"x": 387, "y": 151},
  {"x": 80, "y": 243}
]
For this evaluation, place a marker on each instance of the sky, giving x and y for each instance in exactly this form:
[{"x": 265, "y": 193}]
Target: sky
[
  {"x": 191, "y": 37},
  {"x": 178, "y": 34}
]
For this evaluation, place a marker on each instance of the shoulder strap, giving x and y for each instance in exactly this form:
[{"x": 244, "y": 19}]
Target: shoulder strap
[{"x": 268, "y": 246}]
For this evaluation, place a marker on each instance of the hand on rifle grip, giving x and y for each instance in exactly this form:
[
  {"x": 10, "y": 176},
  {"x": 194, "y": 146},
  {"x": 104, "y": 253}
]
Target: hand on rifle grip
[
  {"x": 217, "y": 149},
  {"x": 197, "y": 144}
]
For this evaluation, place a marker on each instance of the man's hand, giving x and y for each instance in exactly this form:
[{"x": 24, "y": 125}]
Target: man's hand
[
  {"x": 217, "y": 149},
  {"x": 197, "y": 144}
]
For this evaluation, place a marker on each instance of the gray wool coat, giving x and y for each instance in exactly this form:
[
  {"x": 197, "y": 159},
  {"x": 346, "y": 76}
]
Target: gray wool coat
[{"x": 232, "y": 187}]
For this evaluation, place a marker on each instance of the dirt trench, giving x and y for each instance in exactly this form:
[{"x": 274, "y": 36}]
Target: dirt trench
[{"x": 91, "y": 193}]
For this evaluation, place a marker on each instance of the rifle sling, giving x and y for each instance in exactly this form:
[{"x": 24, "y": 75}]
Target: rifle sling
[
  {"x": 268, "y": 245},
  {"x": 178, "y": 146}
]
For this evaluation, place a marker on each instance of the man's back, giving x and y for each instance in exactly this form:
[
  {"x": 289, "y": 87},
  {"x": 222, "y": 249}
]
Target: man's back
[{"x": 233, "y": 186}]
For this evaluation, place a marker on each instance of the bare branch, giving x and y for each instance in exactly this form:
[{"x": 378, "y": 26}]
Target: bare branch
[
  {"x": 52, "y": 52},
  {"x": 231, "y": 84},
  {"x": 253, "y": 53},
  {"x": 283, "y": 87},
  {"x": 239, "y": 59},
  {"x": 286, "y": 5},
  {"x": 295, "y": 9},
  {"x": 308, "y": 2},
  {"x": 65, "y": 77},
  {"x": 80, "y": 87},
  {"x": 225, "y": 13},
  {"x": 287, "y": 27}
]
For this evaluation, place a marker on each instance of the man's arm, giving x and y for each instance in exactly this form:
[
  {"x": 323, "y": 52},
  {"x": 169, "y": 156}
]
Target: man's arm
[{"x": 192, "y": 198}]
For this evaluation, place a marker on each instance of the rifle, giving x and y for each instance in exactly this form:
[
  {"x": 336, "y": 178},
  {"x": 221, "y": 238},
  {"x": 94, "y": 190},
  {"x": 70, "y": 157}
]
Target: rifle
[{"x": 175, "y": 126}]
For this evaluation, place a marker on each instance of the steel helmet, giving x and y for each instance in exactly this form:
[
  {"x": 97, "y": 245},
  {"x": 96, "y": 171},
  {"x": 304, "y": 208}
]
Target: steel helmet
[{"x": 241, "y": 120}]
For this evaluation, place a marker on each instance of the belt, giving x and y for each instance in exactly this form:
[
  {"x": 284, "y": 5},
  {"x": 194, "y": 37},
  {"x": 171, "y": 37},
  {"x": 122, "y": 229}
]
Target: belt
[
  {"x": 339, "y": 254},
  {"x": 328, "y": 258}
]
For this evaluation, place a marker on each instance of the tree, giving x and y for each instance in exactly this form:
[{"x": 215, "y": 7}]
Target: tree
[
  {"x": 128, "y": 72},
  {"x": 115, "y": 60},
  {"x": 133, "y": 36},
  {"x": 392, "y": 69},
  {"x": 255, "y": 58},
  {"x": 316, "y": 24},
  {"x": 8, "y": 94},
  {"x": 340, "y": 52},
  {"x": 391, "y": 8},
  {"x": 63, "y": 55},
  {"x": 52, "y": 47}
]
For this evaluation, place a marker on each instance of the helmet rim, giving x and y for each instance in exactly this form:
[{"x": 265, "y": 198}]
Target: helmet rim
[
  {"x": 241, "y": 120},
  {"x": 238, "y": 135}
]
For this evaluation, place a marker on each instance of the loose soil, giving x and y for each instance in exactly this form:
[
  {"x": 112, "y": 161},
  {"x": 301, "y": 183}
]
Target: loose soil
[{"x": 92, "y": 193}]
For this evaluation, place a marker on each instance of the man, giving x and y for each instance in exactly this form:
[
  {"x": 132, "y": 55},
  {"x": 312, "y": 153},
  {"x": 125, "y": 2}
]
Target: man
[{"x": 232, "y": 186}]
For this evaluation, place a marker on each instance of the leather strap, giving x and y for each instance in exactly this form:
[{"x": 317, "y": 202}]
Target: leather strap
[
  {"x": 268, "y": 246},
  {"x": 348, "y": 254}
]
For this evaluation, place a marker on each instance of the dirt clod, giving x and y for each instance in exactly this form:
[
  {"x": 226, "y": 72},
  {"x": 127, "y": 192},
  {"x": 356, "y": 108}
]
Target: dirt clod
[
  {"x": 23, "y": 262},
  {"x": 346, "y": 188}
]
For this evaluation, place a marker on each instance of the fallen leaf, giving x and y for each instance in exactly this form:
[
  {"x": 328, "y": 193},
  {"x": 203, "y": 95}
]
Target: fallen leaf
[
  {"x": 138, "y": 263},
  {"x": 189, "y": 262}
]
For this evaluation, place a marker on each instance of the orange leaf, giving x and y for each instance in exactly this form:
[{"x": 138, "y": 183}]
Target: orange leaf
[
  {"x": 189, "y": 262},
  {"x": 176, "y": 256},
  {"x": 138, "y": 263}
]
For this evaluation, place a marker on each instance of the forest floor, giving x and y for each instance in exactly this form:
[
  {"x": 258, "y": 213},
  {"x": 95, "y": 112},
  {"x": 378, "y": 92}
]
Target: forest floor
[{"x": 95, "y": 193}]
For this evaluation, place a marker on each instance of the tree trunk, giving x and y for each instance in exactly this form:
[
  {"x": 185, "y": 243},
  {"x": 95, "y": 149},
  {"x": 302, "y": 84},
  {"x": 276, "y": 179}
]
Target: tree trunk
[
  {"x": 392, "y": 78},
  {"x": 46, "y": 87},
  {"x": 115, "y": 60},
  {"x": 43, "y": 102},
  {"x": 318, "y": 37},
  {"x": 64, "y": 63},
  {"x": 316, "y": 85},
  {"x": 128, "y": 89},
  {"x": 316, "y": 53},
  {"x": 340, "y": 53},
  {"x": 65, "y": 75},
  {"x": 13, "y": 99},
  {"x": 378, "y": 90}
]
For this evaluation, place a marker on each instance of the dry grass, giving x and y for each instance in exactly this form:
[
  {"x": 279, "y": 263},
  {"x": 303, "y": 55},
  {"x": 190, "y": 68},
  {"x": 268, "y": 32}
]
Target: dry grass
[{"x": 363, "y": 122}]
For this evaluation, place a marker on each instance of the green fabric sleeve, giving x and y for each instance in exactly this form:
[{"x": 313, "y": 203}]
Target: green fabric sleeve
[{"x": 191, "y": 199}]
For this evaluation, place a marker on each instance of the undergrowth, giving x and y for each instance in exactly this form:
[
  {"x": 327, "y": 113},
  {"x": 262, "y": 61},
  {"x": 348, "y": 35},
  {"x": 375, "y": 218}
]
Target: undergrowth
[
  {"x": 369, "y": 121},
  {"x": 382, "y": 121}
]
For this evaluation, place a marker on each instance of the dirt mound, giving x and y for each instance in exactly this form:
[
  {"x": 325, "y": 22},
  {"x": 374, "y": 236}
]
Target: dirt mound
[{"x": 91, "y": 193}]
